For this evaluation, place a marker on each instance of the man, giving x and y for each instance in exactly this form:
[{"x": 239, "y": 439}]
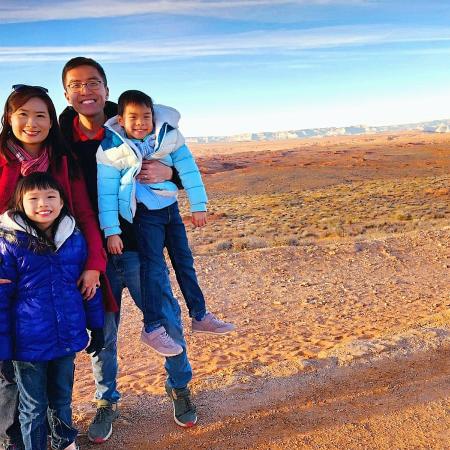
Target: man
[{"x": 86, "y": 90}]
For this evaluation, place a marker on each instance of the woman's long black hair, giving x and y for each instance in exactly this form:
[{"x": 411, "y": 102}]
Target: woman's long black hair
[{"x": 54, "y": 141}]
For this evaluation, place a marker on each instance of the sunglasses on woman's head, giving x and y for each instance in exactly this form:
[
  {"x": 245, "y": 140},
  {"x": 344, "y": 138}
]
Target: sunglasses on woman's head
[{"x": 19, "y": 87}]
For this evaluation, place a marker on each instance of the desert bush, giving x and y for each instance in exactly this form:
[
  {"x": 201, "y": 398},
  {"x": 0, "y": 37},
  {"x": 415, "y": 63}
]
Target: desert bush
[
  {"x": 403, "y": 216},
  {"x": 291, "y": 240},
  {"x": 224, "y": 245},
  {"x": 250, "y": 243}
]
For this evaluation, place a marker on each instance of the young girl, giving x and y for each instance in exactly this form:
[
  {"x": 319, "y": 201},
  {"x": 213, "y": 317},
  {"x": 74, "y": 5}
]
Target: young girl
[
  {"x": 30, "y": 141},
  {"x": 43, "y": 317}
]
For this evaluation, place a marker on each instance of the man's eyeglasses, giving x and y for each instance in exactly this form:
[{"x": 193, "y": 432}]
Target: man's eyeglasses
[
  {"x": 19, "y": 87},
  {"x": 77, "y": 86}
]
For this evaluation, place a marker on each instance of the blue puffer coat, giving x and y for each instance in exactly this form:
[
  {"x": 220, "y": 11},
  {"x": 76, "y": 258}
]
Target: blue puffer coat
[{"x": 42, "y": 313}]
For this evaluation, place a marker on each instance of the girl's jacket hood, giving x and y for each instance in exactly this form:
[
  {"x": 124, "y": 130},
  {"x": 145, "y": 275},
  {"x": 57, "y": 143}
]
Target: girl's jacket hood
[{"x": 13, "y": 222}]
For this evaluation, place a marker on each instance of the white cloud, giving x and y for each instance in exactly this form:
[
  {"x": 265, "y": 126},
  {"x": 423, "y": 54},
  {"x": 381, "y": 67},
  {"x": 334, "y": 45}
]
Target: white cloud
[
  {"x": 276, "y": 42},
  {"x": 12, "y": 11}
]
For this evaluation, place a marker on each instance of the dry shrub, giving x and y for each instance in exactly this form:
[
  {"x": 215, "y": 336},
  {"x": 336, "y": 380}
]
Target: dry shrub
[
  {"x": 224, "y": 245},
  {"x": 403, "y": 216},
  {"x": 250, "y": 243}
]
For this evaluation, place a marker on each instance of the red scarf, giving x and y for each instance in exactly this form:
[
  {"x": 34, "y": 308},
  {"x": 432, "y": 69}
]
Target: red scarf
[{"x": 29, "y": 164}]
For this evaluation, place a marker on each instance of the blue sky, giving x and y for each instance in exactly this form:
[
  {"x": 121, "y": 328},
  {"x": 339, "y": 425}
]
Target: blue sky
[{"x": 244, "y": 65}]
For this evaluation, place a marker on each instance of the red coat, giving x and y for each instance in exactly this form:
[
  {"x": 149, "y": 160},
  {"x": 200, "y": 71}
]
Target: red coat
[{"x": 80, "y": 207}]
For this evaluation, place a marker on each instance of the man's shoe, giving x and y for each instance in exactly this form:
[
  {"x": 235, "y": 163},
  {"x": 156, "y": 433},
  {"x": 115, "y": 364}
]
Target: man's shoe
[
  {"x": 184, "y": 411},
  {"x": 161, "y": 342},
  {"x": 210, "y": 324},
  {"x": 101, "y": 427}
]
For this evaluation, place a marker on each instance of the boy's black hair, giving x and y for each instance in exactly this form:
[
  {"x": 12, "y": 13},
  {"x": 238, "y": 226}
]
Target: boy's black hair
[
  {"x": 38, "y": 180},
  {"x": 133, "y": 97},
  {"x": 83, "y": 61}
]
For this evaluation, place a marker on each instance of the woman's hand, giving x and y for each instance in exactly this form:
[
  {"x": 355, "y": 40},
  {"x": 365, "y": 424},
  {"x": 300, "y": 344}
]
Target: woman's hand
[
  {"x": 153, "y": 171},
  {"x": 88, "y": 283}
]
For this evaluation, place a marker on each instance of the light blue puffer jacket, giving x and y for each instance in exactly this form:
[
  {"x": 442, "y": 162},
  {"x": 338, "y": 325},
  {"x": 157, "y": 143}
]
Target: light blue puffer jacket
[{"x": 119, "y": 162}]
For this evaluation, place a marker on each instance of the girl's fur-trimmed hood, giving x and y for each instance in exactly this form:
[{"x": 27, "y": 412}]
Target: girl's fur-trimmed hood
[{"x": 11, "y": 223}]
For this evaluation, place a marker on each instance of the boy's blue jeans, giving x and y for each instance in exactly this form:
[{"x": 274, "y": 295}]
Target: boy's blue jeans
[
  {"x": 123, "y": 271},
  {"x": 156, "y": 229},
  {"x": 45, "y": 391}
]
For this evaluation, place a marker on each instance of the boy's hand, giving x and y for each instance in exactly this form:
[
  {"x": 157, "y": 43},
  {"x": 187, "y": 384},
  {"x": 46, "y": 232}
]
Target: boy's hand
[
  {"x": 114, "y": 244},
  {"x": 199, "y": 218},
  {"x": 154, "y": 172}
]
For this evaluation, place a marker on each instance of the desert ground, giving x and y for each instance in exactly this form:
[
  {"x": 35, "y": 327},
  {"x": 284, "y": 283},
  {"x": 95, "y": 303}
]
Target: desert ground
[{"x": 332, "y": 257}]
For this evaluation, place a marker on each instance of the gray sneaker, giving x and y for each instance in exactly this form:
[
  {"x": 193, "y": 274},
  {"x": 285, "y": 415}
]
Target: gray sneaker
[
  {"x": 184, "y": 411},
  {"x": 161, "y": 342},
  {"x": 210, "y": 324},
  {"x": 101, "y": 427}
]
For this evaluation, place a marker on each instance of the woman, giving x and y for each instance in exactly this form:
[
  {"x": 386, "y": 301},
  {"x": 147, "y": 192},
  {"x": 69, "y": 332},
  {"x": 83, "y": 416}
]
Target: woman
[{"x": 30, "y": 141}]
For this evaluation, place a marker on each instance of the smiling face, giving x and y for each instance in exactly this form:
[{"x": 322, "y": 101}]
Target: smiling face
[
  {"x": 86, "y": 101},
  {"x": 42, "y": 206},
  {"x": 137, "y": 120},
  {"x": 31, "y": 124}
]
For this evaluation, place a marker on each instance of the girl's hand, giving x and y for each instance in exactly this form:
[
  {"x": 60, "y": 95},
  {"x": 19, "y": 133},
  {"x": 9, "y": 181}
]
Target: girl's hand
[
  {"x": 199, "y": 218},
  {"x": 88, "y": 283},
  {"x": 7, "y": 371},
  {"x": 114, "y": 244},
  {"x": 154, "y": 172},
  {"x": 4, "y": 281}
]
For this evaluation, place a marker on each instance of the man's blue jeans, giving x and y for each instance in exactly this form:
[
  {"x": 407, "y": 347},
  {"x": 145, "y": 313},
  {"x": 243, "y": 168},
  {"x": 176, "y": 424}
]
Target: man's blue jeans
[
  {"x": 155, "y": 230},
  {"x": 45, "y": 391},
  {"x": 123, "y": 271}
]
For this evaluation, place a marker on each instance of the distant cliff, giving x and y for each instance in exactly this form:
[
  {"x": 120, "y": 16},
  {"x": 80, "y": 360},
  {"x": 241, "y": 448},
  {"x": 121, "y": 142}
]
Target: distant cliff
[{"x": 435, "y": 126}]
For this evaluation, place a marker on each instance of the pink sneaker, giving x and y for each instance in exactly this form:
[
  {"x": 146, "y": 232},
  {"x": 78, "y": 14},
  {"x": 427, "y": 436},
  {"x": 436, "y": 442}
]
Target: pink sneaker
[
  {"x": 161, "y": 342},
  {"x": 210, "y": 324}
]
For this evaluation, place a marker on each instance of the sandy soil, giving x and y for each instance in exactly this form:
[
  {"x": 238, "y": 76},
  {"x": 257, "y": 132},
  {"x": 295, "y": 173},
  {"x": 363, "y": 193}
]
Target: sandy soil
[{"x": 340, "y": 345}]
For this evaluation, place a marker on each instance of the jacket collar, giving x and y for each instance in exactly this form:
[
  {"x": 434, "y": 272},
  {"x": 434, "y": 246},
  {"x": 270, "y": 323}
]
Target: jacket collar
[
  {"x": 14, "y": 222},
  {"x": 163, "y": 114},
  {"x": 67, "y": 116}
]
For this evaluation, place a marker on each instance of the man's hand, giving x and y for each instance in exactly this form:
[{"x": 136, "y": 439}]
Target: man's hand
[
  {"x": 114, "y": 244},
  {"x": 97, "y": 342},
  {"x": 153, "y": 171},
  {"x": 199, "y": 218},
  {"x": 88, "y": 283}
]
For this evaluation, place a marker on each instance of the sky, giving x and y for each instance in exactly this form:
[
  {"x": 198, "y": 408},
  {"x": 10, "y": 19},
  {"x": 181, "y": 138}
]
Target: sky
[{"x": 243, "y": 66}]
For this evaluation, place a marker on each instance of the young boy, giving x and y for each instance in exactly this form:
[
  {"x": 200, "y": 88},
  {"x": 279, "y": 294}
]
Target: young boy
[{"x": 129, "y": 138}]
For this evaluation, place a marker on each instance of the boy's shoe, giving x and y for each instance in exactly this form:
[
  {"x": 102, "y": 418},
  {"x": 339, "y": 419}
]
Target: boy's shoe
[
  {"x": 212, "y": 325},
  {"x": 184, "y": 411},
  {"x": 161, "y": 342},
  {"x": 101, "y": 427}
]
